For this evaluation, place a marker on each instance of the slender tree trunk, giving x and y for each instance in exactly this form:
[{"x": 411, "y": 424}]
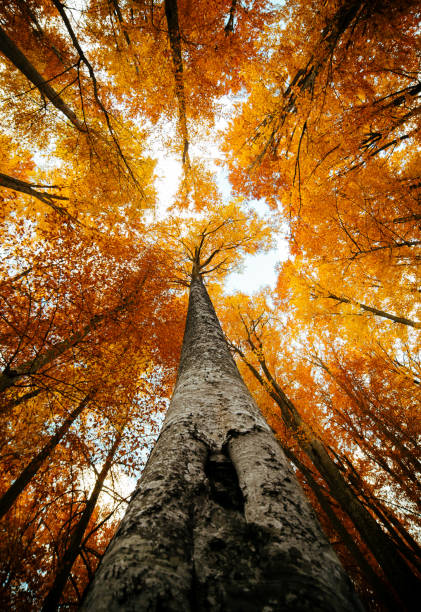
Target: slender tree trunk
[
  {"x": 388, "y": 430},
  {"x": 375, "y": 311},
  {"x": 386, "y": 596},
  {"x": 229, "y": 26},
  {"x": 123, "y": 27},
  {"x": 9, "y": 498},
  {"x": 403, "y": 540},
  {"x": 382, "y": 547},
  {"x": 378, "y": 456},
  {"x": 218, "y": 521},
  {"x": 73, "y": 550},
  {"x": 21, "y": 62},
  {"x": 171, "y": 14},
  {"x": 10, "y": 376}
]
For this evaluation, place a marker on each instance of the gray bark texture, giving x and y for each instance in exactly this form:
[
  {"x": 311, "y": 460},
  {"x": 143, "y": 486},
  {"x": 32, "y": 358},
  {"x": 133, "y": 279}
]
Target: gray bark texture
[{"x": 218, "y": 521}]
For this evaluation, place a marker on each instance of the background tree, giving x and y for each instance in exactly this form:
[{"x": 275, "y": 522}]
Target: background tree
[{"x": 281, "y": 365}]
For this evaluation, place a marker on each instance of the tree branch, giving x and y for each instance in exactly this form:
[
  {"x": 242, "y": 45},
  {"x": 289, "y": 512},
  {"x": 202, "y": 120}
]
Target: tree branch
[{"x": 21, "y": 62}]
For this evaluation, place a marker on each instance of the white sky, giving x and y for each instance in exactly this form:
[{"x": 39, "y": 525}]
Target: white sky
[{"x": 258, "y": 270}]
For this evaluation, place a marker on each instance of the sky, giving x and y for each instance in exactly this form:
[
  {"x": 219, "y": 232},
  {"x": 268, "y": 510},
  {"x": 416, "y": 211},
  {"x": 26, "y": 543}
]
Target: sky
[{"x": 257, "y": 270}]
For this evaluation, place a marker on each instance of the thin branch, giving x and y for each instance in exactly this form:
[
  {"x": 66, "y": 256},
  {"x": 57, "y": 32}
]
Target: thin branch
[
  {"x": 59, "y": 7},
  {"x": 21, "y": 62},
  {"x": 10, "y": 182}
]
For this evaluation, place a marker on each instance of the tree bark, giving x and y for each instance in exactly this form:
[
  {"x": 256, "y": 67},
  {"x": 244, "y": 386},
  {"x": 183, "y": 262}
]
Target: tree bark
[
  {"x": 74, "y": 548},
  {"x": 13, "y": 492},
  {"x": 218, "y": 521},
  {"x": 21, "y": 62}
]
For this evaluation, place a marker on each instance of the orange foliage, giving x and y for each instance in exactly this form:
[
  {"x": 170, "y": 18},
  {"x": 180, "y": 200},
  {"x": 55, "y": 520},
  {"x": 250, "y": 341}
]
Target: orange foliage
[{"x": 323, "y": 100}]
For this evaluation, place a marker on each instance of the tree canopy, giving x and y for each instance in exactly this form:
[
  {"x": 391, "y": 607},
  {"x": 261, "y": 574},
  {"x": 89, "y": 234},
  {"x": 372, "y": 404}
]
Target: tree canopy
[{"x": 288, "y": 120}]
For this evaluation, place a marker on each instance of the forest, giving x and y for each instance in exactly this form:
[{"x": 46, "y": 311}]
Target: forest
[{"x": 145, "y": 143}]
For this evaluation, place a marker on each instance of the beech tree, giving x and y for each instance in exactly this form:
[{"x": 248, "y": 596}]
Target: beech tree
[{"x": 217, "y": 520}]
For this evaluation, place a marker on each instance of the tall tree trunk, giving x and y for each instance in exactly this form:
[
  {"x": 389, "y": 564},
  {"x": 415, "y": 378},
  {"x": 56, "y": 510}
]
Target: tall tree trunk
[
  {"x": 218, "y": 521},
  {"x": 13, "y": 492},
  {"x": 72, "y": 551},
  {"x": 21, "y": 62}
]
